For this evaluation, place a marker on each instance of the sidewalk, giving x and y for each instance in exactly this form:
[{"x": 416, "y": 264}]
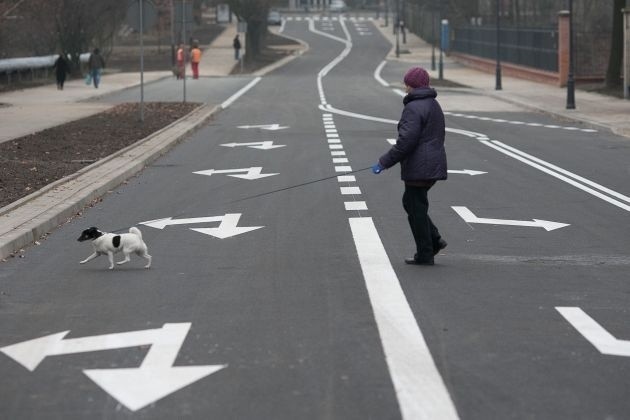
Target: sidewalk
[{"x": 595, "y": 110}]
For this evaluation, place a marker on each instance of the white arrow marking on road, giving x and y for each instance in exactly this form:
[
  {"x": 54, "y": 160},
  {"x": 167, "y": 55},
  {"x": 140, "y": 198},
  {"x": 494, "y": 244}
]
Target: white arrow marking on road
[
  {"x": 162, "y": 223},
  {"x": 466, "y": 172},
  {"x": 262, "y": 145},
  {"x": 469, "y": 217},
  {"x": 251, "y": 173},
  {"x": 227, "y": 228},
  {"x": 271, "y": 127},
  {"x": 597, "y": 335},
  {"x": 134, "y": 387}
]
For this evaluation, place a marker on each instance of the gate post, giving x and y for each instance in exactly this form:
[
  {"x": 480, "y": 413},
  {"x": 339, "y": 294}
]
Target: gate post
[
  {"x": 626, "y": 52},
  {"x": 563, "y": 47}
]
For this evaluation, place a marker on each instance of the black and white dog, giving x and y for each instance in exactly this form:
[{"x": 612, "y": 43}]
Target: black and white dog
[{"x": 110, "y": 243}]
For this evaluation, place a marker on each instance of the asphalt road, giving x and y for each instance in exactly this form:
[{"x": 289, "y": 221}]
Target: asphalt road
[{"x": 312, "y": 313}]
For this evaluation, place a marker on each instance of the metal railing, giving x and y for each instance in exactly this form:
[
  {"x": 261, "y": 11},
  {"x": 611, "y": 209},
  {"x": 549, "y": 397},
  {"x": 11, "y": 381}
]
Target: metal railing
[
  {"x": 23, "y": 68},
  {"x": 537, "y": 48}
]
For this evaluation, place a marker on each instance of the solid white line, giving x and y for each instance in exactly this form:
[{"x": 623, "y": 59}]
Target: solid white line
[
  {"x": 241, "y": 92},
  {"x": 377, "y": 74},
  {"x": 419, "y": 387},
  {"x": 565, "y": 172},
  {"x": 557, "y": 175}
]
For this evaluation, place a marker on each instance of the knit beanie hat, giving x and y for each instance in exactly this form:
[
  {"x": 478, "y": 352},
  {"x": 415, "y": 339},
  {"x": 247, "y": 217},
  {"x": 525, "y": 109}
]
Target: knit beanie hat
[{"x": 416, "y": 77}]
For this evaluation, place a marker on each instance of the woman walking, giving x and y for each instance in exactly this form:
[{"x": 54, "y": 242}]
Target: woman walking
[{"x": 420, "y": 151}]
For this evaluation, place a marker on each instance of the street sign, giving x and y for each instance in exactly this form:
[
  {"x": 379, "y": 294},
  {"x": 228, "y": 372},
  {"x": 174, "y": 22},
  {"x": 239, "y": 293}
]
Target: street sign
[
  {"x": 242, "y": 27},
  {"x": 135, "y": 388},
  {"x": 223, "y": 13}
]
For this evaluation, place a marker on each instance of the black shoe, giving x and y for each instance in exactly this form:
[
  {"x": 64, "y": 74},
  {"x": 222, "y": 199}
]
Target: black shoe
[
  {"x": 440, "y": 246},
  {"x": 414, "y": 261}
]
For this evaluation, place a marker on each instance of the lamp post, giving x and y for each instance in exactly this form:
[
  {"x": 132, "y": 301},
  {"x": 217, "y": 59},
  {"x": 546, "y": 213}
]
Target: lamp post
[
  {"x": 571, "y": 77},
  {"x": 441, "y": 63},
  {"x": 433, "y": 39},
  {"x": 497, "y": 84},
  {"x": 397, "y": 28}
]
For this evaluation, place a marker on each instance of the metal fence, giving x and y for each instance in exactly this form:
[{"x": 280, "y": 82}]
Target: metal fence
[{"x": 537, "y": 48}]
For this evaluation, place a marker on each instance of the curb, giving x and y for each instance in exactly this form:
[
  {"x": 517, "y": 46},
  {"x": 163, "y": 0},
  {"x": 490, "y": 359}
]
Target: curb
[{"x": 22, "y": 223}]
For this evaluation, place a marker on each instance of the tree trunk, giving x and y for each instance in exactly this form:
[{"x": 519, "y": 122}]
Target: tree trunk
[{"x": 613, "y": 74}]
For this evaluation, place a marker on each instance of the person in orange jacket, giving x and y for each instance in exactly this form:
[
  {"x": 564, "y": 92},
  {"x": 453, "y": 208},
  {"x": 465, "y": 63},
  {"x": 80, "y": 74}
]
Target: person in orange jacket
[{"x": 195, "y": 59}]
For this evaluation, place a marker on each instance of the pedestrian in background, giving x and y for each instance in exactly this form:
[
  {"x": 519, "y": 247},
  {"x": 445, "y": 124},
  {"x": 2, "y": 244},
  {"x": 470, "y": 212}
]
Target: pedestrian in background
[
  {"x": 96, "y": 64},
  {"x": 181, "y": 61},
  {"x": 237, "y": 47},
  {"x": 420, "y": 151},
  {"x": 195, "y": 59},
  {"x": 62, "y": 68}
]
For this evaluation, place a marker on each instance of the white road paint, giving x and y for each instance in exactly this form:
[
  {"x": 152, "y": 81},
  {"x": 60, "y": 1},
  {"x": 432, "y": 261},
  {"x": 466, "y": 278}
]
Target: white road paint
[
  {"x": 240, "y": 93},
  {"x": 270, "y": 127},
  {"x": 350, "y": 191},
  {"x": 335, "y": 146},
  {"x": 469, "y": 217},
  {"x": 343, "y": 168},
  {"x": 547, "y": 168},
  {"x": 262, "y": 145},
  {"x": 597, "y": 335},
  {"x": 346, "y": 178},
  {"x": 337, "y": 153},
  {"x": 421, "y": 392},
  {"x": 254, "y": 172},
  {"x": 227, "y": 227},
  {"x": 355, "y": 205},
  {"x": 133, "y": 387},
  {"x": 377, "y": 74},
  {"x": 340, "y": 160},
  {"x": 466, "y": 172}
]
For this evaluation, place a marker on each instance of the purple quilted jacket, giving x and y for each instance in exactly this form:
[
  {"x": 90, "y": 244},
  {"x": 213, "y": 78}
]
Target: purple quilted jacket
[{"x": 420, "y": 144}]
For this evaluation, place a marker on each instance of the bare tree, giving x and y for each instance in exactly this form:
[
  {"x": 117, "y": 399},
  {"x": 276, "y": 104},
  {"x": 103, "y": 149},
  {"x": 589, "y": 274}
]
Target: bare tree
[{"x": 254, "y": 12}]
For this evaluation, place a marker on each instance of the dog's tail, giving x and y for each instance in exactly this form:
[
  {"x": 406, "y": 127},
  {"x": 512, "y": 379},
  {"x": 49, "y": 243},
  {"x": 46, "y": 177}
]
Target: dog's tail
[{"x": 136, "y": 232}]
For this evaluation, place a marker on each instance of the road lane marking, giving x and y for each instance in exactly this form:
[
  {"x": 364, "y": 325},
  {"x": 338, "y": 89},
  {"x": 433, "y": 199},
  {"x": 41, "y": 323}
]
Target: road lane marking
[
  {"x": 136, "y": 387},
  {"x": 514, "y": 153},
  {"x": 355, "y": 205},
  {"x": 469, "y": 217},
  {"x": 240, "y": 93},
  {"x": 420, "y": 390},
  {"x": 350, "y": 191},
  {"x": 597, "y": 335}
]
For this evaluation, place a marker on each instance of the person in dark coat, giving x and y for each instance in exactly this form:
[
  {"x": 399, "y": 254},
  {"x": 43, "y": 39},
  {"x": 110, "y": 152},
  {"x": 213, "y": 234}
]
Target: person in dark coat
[
  {"x": 420, "y": 151},
  {"x": 62, "y": 68},
  {"x": 237, "y": 47}
]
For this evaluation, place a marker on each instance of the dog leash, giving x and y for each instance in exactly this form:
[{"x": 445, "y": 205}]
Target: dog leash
[{"x": 297, "y": 185}]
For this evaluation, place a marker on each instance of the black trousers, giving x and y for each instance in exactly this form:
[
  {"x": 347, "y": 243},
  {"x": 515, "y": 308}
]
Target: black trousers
[{"x": 425, "y": 234}]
